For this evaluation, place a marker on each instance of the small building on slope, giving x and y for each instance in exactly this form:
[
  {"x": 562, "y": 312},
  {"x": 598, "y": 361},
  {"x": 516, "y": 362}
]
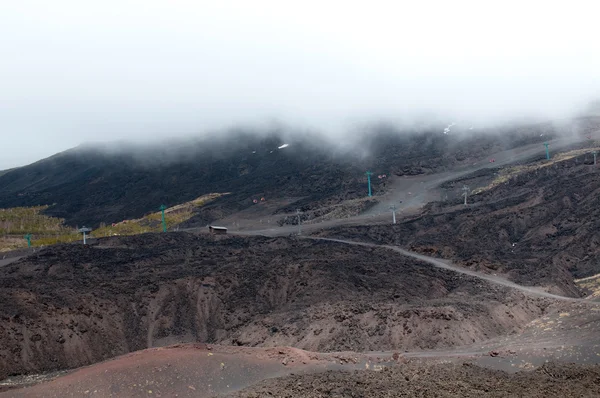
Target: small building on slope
[{"x": 217, "y": 230}]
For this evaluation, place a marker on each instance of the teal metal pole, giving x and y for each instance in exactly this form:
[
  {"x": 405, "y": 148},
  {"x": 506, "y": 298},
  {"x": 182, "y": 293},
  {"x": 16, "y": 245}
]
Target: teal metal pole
[
  {"x": 547, "y": 151},
  {"x": 28, "y": 237},
  {"x": 369, "y": 181},
  {"x": 164, "y": 223}
]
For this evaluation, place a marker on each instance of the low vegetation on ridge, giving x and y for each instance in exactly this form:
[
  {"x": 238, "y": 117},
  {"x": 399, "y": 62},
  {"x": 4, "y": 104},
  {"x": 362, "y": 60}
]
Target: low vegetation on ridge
[
  {"x": 16, "y": 222},
  {"x": 508, "y": 173}
]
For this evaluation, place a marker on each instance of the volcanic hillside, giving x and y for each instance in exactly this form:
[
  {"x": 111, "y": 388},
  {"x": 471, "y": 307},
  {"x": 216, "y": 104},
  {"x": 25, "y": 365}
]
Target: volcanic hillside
[
  {"x": 74, "y": 305},
  {"x": 109, "y": 183},
  {"x": 536, "y": 223}
]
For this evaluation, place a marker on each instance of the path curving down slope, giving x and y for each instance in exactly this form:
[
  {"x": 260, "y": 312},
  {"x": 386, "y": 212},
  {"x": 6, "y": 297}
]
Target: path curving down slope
[{"x": 445, "y": 264}]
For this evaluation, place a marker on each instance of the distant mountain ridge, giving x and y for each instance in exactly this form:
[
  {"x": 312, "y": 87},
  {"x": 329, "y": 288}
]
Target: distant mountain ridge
[{"x": 89, "y": 185}]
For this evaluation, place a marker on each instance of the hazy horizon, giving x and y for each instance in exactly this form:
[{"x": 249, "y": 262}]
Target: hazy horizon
[{"x": 75, "y": 72}]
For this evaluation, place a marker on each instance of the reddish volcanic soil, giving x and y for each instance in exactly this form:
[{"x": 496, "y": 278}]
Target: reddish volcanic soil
[
  {"x": 210, "y": 371},
  {"x": 189, "y": 370}
]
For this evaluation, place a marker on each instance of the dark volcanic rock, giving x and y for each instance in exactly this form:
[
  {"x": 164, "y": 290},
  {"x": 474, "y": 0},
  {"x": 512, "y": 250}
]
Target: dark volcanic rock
[
  {"x": 415, "y": 379},
  {"x": 90, "y": 185},
  {"x": 540, "y": 228},
  {"x": 73, "y": 305}
]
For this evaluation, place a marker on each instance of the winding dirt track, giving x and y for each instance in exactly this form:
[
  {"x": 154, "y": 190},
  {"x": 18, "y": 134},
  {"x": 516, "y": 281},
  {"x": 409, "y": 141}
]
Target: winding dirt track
[
  {"x": 6, "y": 261},
  {"x": 445, "y": 264}
]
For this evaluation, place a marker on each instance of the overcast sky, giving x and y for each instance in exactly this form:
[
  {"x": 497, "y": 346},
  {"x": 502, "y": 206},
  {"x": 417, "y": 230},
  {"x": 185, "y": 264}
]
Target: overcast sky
[{"x": 73, "y": 72}]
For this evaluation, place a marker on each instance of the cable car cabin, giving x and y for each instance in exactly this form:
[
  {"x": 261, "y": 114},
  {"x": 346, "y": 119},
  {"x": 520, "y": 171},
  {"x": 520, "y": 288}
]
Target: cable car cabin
[{"x": 217, "y": 230}]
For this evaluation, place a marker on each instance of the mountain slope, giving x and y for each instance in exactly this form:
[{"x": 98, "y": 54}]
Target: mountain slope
[
  {"x": 94, "y": 184},
  {"x": 72, "y": 305},
  {"x": 539, "y": 226}
]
